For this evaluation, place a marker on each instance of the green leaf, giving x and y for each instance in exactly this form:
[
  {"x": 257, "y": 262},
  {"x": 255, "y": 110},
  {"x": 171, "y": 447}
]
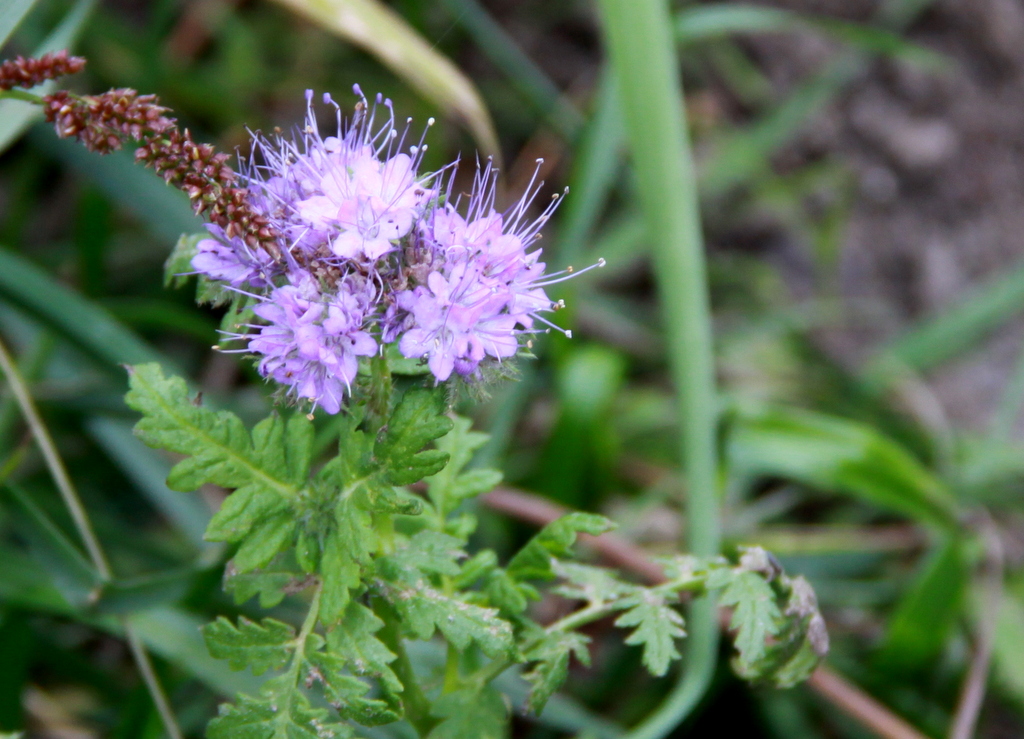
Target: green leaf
[
  {"x": 364, "y": 653},
  {"x": 1008, "y": 643},
  {"x": 261, "y": 646},
  {"x": 755, "y": 616},
  {"x": 250, "y": 718},
  {"x": 590, "y": 584},
  {"x": 937, "y": 339},
  {"x": 148, "y": 470},
  {"x": 417, "y": 420},
  {"x": 178, "y": 267},
  {"x": 935, "y": 598},
  {"x": 347, "y": 547},
  {"x": 265, "y": 541},
  {"x": 423, "y": 608},
  {"x": 658, "y": 627},
  {"x": 470, "y": 714},
  {"x": 836, "y": 454},
  {"x": 507, "y": 594},
  {"x": 552, "y": 656},
  {"x": 452, "y": 485},
  {"x": 282, "y": 712},
  {"x": 427, "y": 552},
  {"x": 347, "y": 694},
  {"x": 705, "y": 22},
  {"x": 267, "y": 468},
  {"x": 533, "y": 561},
  {"x": 268, "y": 584}
]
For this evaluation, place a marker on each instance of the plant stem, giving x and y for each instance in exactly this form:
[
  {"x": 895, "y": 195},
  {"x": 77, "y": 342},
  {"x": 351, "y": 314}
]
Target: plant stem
[
  {"x": 55, "y": 465},
  {"x": 414, "y": 701},
  {"x": 22, "y": 95},
  {"x": 597, "y": 611},
  {"x": 642, "y": 53}
]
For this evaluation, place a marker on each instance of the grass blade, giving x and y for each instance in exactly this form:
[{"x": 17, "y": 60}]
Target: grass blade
[
  {"x": 705, "y": 22},
  {"x": 162, "y": 209},
  {"x": 642, "y": 53},
  {"x": 11, "y": 14},
  {"x": 933, "y": 341},
  {"x": 379, "y": 30},
  {"x": 68, "y": 569},
  {"x": 835, "y": 454},
  {"x": 148, "y": 470},
  {"x": 86, "y": 325},
  {"x": 529, "y": 79}
]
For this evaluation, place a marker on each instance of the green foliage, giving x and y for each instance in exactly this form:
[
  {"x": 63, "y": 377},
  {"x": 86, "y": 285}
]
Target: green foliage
[
  {"x": 657, "y": 628},
  {"x": 416, "y": 421},
  {"x": 534, "y": 561},
  {"x": 260, "y": 646},
  {"x": 335, "y": 530},
  {"x": 471, "y": 714},
  {"x": 550, "y": 658},
  {"x": 756, "y": 615}
]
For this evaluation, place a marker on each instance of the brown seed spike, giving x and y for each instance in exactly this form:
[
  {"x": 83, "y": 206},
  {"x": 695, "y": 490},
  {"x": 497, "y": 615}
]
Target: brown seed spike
[{"x": 28, "y": 72}]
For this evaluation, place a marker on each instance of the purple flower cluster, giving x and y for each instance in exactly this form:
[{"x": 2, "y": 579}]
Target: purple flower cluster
[{"x": 373, "y": 253}]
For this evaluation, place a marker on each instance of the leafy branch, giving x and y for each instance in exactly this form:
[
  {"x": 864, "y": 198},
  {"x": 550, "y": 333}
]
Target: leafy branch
[{"x": 385, "y": 566}]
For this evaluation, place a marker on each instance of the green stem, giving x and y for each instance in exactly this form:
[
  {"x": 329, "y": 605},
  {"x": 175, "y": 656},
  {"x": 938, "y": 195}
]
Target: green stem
[
  {"x": 59, "y": 473},
  {"x": 639, "y": 40},
  {"x": 414, "y": 701},
  {"x": 22, "y": 95},
  {"x": 283, "y": 718},
  {"x": 451, "y": 671},
  {"x": 597, "y": 611}
]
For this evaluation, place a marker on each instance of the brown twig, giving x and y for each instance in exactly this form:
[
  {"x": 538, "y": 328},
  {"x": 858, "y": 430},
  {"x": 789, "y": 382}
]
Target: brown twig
[
  {"x": 617, "y": 551},
  {"x": 973, "y": 692}
]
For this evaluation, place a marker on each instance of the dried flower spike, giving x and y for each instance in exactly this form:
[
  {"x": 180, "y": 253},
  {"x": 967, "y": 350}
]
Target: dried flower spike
[{"x": 27, "y": 73}]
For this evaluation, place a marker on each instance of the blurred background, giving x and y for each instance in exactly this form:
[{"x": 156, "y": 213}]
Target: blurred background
[{"x": 860, "y": 166}]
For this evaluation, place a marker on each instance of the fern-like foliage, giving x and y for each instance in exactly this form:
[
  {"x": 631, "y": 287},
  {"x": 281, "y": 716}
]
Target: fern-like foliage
[{"x": 377, "y": 565}]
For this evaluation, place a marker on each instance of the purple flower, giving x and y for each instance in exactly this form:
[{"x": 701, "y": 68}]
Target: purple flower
[
  {"x": 231, "y": 260},
  {"x": 457, "y": 321},
  {"x": 346, "y": 197},
  {"x": 483, "y": 288},
  {"x": 311, "y": 344}
]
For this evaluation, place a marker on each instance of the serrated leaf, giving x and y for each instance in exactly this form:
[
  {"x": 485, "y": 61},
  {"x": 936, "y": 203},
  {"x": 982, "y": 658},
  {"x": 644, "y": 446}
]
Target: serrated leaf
[
  {"x": 552, "y": 656},
  {"x": 417, "y": 420},
  {"x": 281, "y": 712},
  {"x": 269, "y": 585},
  {"x": 428, "y": 552},
  {"x": 346, "y": 693},
  {"x": 423, "y": 608},
  {"x": 178, "y": 267},
  {"x": 451, "y": 485},
  {"x": 261, "y": 646},
  {"x": 363, "y": 652},
  {"x": 589, "y": 583},
  {"x": 470, "y": 714},
  {"x": 266, "y": 540},
  {"x": 657, "y": 628},
  {"x": 756, "y": 614},
  {"x": 474, "y": 482},
  {"x": 266, "y": 469},
  {"x": 238, "y": 314},
  {"x": 534, "y": 561},
  {"x": 346, "y": 548},
  {"x": 507, "y": 594},
  {"x": 250, "y": 718}
]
